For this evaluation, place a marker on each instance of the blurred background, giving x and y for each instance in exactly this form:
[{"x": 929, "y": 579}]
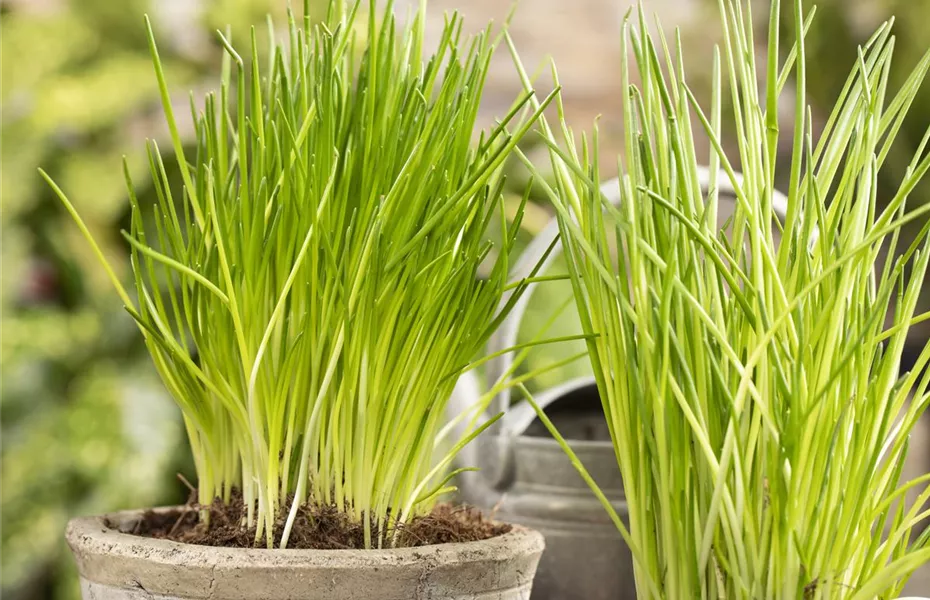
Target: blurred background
[{"x": 86, "y": 425}]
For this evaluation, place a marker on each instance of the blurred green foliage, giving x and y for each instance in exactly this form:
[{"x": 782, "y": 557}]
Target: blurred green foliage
[
  {"x": 840, "y": 26},
  {"x": 86, "y": 425}
]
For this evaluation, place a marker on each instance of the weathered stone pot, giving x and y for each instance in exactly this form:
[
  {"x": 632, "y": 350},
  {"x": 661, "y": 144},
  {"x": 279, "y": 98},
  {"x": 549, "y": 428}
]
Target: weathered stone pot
[{"x": 120, "y": 566}]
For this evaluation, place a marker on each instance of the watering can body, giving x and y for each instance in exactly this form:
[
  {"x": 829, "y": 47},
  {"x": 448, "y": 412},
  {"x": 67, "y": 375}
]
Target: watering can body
[{"x": 524, "y": 476}]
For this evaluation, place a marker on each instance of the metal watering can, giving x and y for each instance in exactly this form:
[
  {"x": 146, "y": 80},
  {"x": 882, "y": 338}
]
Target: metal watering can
[{"x": 525, "y": 476}]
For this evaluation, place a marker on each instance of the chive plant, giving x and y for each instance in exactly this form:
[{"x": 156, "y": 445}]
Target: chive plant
[
  {"x": 312, "y": 292},
  {"x": 752, "y": 388}
]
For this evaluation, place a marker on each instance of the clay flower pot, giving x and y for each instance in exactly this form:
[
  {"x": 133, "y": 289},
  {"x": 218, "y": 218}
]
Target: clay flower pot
[{"x": 114, "y": 565}]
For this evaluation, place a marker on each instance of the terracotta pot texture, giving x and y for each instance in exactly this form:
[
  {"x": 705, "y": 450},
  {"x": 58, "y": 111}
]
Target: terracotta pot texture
[{"x": 119, "y": 566}]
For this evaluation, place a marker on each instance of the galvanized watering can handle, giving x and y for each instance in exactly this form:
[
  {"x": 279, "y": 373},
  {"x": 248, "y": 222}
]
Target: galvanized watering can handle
[{"x": 506, "y": 335}]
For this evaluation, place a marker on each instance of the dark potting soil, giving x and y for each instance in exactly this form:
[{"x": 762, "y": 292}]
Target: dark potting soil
[{"x": 315, "y": 527}]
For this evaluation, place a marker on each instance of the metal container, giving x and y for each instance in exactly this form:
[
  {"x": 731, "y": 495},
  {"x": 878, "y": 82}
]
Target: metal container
[{"x": 525, "y": 477}]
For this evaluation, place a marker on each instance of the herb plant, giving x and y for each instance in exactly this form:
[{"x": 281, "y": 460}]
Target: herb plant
[
  {"x": 311, "y": 294},
  {"x": 752, "y": 389}
]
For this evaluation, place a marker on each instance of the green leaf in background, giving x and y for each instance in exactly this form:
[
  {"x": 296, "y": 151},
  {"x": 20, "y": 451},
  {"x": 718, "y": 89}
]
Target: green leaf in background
[{"x": 85, "y": 425}]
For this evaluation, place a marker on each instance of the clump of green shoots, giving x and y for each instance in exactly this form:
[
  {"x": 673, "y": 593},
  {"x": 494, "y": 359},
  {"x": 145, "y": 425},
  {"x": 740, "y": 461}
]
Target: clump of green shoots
[
  {"x": 311, "y": 294},
  {"x": 752, "y": 387}
]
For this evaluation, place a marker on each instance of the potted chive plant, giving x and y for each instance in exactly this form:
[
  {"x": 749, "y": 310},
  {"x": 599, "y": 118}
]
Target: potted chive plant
[
  {"x": 752, "y": 389},
  {"x": 308, "y": 299}
]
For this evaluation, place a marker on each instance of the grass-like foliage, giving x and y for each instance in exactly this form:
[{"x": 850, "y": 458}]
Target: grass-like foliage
[
  {"x": 752, "y": 387},
  {"x": 310, "y": 295}
]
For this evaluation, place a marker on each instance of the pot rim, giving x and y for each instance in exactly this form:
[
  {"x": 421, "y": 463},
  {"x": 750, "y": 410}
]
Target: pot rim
[
  {"x": 100, "y": 534},
  {"x": 110, "y": 561}
]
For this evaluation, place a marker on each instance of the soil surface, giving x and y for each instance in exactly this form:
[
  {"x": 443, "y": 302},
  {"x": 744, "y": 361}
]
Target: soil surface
[{"x": 315, "y": 527}]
